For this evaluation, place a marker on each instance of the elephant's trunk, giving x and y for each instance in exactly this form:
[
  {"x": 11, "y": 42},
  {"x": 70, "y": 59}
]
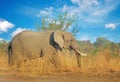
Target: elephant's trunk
[{"x": 78, "y": 56}]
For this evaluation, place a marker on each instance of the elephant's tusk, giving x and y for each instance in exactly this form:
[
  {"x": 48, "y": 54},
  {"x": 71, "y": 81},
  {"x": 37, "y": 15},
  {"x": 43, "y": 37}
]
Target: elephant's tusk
[
  {"x": 77, "y": 51},
  {"x": 83, "y": 54},
  {"x": 80, "y": 53}
]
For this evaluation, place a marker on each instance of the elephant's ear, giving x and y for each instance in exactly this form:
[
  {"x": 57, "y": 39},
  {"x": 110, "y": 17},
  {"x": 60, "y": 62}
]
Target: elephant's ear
[{"x": 58, "y": 38}]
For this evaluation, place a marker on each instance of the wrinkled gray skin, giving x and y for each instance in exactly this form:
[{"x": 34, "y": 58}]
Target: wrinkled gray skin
[{"x": 28, "y": 45}]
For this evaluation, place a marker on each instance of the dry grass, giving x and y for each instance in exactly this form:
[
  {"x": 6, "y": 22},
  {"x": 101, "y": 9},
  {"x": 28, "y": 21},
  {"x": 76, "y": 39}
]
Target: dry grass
[
  {"x": 3, "y": 61},
  {"x": 100, "y": 63},
  {"x": 64, "y": 62},
  {"x": 54, "y": 64}
]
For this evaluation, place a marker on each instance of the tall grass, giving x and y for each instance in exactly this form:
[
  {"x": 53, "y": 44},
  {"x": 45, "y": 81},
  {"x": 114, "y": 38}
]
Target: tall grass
[
  {"x": 3, "y": 61},
  {"x": 100, "y": 63},
  {"x": 64, "y": 62}
]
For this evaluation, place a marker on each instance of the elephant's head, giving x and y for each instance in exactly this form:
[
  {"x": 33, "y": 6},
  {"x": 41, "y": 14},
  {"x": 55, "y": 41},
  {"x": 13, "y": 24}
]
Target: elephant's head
[{"x": 66, "y": 40}]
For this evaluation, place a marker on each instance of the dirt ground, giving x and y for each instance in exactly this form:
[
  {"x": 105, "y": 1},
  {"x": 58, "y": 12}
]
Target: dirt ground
[{"x": 63, "y": 77}]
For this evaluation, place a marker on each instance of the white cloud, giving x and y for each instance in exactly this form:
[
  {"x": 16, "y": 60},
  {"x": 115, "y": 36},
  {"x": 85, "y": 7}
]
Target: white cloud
[
  {"x": 92, "y": 11},
  {"x": 87, "y": 10},
  {"x": 45, "y": 12},
  {"x": 110, "y": 25},
  {"x": 18, "y": 30},
  {"x": 76, "y": 1},
  {"x": 1, "y": 39},
  {"x": 5, "y": 25}
]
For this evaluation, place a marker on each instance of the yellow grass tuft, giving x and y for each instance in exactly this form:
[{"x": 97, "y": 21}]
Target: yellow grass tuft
[
  {"x": 63, "y": 62},
  {"x": 100, "y": 63},
  {"x": 3, "y": 61}
]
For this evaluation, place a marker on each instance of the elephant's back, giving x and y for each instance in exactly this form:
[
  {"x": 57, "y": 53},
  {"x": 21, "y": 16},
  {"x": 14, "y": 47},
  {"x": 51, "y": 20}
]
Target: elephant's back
[
  {"x": 27, "y": 34},
  {"x": 21, "y": 33},
  {"x": 32, "y": 38}
]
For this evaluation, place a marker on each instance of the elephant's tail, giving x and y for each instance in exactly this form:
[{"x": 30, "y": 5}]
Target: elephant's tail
[{"x": 9, "y": 52}]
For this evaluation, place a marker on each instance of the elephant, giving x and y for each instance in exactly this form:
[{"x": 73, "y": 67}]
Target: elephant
[{"x": 27, "y": 45}]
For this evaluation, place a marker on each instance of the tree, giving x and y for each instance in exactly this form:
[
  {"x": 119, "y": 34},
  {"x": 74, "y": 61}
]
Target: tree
[
  {"x": 85, "y": 46},
  {"x": 62, "y": 22},
  {"x": 3, "y": 46},
  {"x": 115, "y": 49},
  {"x": 102, "y": 42}
]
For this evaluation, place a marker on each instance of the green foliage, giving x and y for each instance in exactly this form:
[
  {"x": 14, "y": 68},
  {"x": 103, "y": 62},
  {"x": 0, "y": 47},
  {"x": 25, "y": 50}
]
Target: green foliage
[
  {"x": 62, "y": 22},
  {"x": 115, "y": 49},
  {"x": 43, "y": 26},
  {"x": 101, "y": 45},
  {"x": 86, "y": 46},
  {"x": 101, "y": 41},
  {"x": 3, "y": 46}
]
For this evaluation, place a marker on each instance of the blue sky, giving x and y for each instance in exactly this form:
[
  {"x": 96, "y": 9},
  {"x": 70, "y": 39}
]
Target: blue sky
[{"x": 96, "y": 18}]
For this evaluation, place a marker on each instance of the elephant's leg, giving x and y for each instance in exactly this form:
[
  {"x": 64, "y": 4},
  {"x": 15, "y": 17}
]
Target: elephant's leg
[
  {"x": 42, "y": 52},
  {"x": 52, "y": 54},
  {"x": 17, "y": 54},
  {"x": 78, "y": 57},
  {"x": 55, "y": 60}
]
